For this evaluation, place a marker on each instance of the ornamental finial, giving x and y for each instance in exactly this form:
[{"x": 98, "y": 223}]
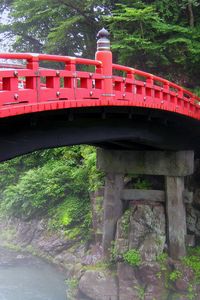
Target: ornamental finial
[{"x": 103, "y": 42}]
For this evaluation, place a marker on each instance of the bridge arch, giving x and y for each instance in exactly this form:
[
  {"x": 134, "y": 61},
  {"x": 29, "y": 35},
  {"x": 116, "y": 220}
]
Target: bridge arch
[
  {"x": 110, "y": 128},
  {"x": 131, "y": 109}
]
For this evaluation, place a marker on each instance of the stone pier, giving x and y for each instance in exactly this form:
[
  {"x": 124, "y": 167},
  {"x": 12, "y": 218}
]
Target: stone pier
[
  {"x": 174, "y": 166},
  {"x": 112, "y": 208}
]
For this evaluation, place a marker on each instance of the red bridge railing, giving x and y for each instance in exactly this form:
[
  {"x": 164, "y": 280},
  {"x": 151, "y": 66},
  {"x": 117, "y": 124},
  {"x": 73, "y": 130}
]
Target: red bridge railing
[{"x": 28, "y": 88}]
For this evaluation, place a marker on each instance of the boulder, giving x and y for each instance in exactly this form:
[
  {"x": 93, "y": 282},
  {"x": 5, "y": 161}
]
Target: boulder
[
  {"x": 98, "y": 285},
  {"x": 97, "y": 199},
  {"x": 125, "y": 272},
  {"x": 193, "y": 220},
  {"x": 122, "y": 233},
  {"x": 183, "y": 283},
  {"x": 149, "y": 275},
  {"x": 128, "y": 291},
  {"x": 128, "y": 284},
  {"x": 94, "y": 255},
  {"x": 53, "y": 245},
  {"x": 147, "y": 230}
]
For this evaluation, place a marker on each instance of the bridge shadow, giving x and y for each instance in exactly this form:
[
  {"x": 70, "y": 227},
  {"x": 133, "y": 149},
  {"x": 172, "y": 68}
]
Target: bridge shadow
[{"x": 107, "y": 127}]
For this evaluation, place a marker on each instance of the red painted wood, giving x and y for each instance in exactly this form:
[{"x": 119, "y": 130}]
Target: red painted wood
[{"x": 28, "y": 88}]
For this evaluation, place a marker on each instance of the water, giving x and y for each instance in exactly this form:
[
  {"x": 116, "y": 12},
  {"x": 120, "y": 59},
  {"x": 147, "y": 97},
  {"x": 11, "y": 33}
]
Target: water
[{"x": 29, "y": 278}]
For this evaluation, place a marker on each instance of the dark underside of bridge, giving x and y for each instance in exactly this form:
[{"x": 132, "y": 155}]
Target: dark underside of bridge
[{"x": 107, "y": 127}]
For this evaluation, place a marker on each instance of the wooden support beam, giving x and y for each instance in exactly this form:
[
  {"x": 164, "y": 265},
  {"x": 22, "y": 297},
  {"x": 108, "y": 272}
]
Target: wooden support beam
[
  {"x": 167, "y": 163},
  {"x": 176, "y": 216},
  {"x": 146, "y": 195},
  {"x": 112, "y": 209},
  {"x": 151, "y": 195}
]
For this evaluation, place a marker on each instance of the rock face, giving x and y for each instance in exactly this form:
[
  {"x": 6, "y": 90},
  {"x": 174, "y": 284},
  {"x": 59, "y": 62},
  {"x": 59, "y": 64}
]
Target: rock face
[
  {"x": 97, "y": 213},
  {"x": 147, "y": 230},
  {"x": 193, "y": 220},
  {"x": 193, "y": 209},
  {"x": 154, "y": 284},
  {"x": 183, "y": 283},
  {"x": 128, "y": 283},
  {"x": 34, "y": 233},
  {"x": 98, "y": 285},
  {"x": 122, "y": 233},
  {"x": 142, "y": 229},
  {"x": 33, "y": 236}
]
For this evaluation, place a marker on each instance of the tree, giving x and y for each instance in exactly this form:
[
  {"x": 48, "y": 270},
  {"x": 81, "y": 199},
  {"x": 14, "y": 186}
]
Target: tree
[
  {"x": 52, "y": 184},
  {"x": 61, "y": 27},
  {"x": 158, "y": 38}
]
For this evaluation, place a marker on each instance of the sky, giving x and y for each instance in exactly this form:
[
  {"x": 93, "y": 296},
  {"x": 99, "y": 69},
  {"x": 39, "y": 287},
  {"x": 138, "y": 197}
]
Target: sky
[{"x": 4, "y": 47}]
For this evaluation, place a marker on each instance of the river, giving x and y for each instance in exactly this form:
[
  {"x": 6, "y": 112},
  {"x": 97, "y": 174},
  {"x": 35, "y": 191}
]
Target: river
[{"x": 26, "y": 277}]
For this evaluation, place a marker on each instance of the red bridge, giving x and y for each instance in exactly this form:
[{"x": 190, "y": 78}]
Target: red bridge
[{"x": 106, "y": 104}]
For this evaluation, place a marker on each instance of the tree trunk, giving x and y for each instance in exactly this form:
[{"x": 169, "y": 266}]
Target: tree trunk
[{"x": 191, "y": 15}]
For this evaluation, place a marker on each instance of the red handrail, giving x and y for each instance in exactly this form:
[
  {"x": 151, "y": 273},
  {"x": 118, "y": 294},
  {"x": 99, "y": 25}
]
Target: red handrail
[
  {"x": 27, "y": 88},
  {"x": 49, "y": 57},
  {"x": 154, "y": 78}
]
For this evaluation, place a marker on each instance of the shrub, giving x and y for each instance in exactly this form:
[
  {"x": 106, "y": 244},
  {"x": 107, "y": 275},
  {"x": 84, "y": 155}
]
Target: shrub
[
  {"x": 174, "y": 275},
  {"x": 132, "y": 257},
  {"x": 193, "y": 262}
]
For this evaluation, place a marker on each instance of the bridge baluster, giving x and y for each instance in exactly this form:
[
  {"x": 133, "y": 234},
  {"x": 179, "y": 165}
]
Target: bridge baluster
[
  {"x": 33, "y": 63},
  {"x": 33, "y": 81},
  {"x": 70, "y": 79},
  {"x": 10, "y": 83},
  {"x": 71, "y": 65},
  {"x": 166, "y": 96},
  {"x": 149, "y": 88},
  {"x": 130, "y": 85}
]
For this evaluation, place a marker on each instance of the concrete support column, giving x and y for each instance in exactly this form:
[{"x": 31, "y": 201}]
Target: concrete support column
[
  {"x": 112, "y": 208},
  {"x": 176, "y": 216}
]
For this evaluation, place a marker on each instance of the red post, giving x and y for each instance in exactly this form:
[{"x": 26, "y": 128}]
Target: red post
[
  {"x": 33, "y": 62},
  {"x": 33, "y": 82},
  {"x": 104, "y": 55}
]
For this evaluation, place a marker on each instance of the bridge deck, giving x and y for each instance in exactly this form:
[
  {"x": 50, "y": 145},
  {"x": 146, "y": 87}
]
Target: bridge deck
[{"x": 28, "y": 88}]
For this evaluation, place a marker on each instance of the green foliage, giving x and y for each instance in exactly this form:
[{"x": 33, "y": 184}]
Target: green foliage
[
  {"x": 157, "y": 37},
  {"x": 162, "y": 260},
  {"x": 54, "y": 184},
  {"x": 125, "y": 221},
  {"x": 38, "y": 190},
  {"x": 8, "y": 234},
  {"x": 100, "y": 266},
  {"x": 132, "y": 257},
  {"x": 11, "y": 246},
  {"x": 174, "y": 275},
  {"x": 197, "y": 91},
  {"x": 191, "y": 292},
  {"x": 140, "y": 292},
  {"x": 193, "y": 261},
  {"x": 72, "y": 285},
  {"x": 142, "y": 184},
  {"x": 95, "y": 177},
  {"x": 63, "y": 27},
  {"x": 73, "y": 217},
  {"x": 113, "y": 252}
]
